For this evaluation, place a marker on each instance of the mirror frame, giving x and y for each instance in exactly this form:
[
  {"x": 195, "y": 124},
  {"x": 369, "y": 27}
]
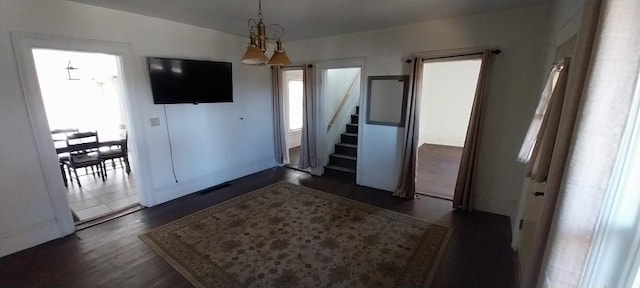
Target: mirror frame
[{"x": 405, "y": 92}]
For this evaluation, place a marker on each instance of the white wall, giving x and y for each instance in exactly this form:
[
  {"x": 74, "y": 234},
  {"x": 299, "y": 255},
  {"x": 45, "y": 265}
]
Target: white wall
[
  {"x": 336, "y": 85},
  {"x": 513, "y": 90},
  {"x": 212, "y": 143},
  {"x": 566, "y": 16},
  {"x": 448, "y": 90}
]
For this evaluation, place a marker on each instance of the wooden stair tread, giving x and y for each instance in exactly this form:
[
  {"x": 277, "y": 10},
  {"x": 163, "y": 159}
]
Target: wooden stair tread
[
  {"x": 343, "y": 162},
  {"x": 343, "y": 156},
  {"x": 347, "y": 145},
  {"x": 340, "y": 168}
]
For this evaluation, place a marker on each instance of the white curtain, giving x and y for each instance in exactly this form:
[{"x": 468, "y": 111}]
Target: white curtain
[
  {"x": 279, "y": 129},
  {"x": 542, "y": 150},
  {"x": 308, "y": 157},
  {"x": 536, "y": 123},
  {"x": 109, "y": 115}
]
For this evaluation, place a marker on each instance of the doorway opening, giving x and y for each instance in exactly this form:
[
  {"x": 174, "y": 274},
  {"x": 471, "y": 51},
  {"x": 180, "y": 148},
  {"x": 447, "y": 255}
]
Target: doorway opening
[
  {"x": 340, "y": 96},
  {"x": 83, "y": 95},
  {"x": 448, "y": 93},
  {"x": 294, "y": 113}
]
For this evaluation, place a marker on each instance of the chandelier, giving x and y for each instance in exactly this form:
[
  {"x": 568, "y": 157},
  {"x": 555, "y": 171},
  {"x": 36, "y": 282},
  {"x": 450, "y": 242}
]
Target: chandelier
[{"x": 258, "y": 43}]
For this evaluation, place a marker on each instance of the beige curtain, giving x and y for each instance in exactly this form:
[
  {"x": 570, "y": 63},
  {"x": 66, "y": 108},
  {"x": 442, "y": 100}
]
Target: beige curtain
[
  {"x": 407, "y": 183},
  {"x": 279, "y": 129},
  {"x": 462, "y": 198},
  {"x": 599, "y": 93},
  {"x": 308, "y": 157},
  {"x": 538, "y": 166},
  {"x": 536, "y": 123}
]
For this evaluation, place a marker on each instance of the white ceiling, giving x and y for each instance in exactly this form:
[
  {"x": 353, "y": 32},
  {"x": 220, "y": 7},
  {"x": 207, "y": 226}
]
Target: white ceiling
[{"x": 304, "y": 19}]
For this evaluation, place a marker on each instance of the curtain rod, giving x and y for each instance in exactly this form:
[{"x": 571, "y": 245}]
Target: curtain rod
[
  {"x": 496, "y": 51},
  {"x": 291, "y": 67}
]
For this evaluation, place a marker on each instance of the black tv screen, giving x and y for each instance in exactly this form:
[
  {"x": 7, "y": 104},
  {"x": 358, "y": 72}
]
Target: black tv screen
[{"x": 189, "y": 81}]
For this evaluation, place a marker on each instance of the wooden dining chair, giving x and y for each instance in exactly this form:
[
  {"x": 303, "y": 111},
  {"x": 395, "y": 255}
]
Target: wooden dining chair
[
  {"x": 84, "y": 152},
  {"x": 117, "y": 150},
  {"x": 59, "y": 137}
]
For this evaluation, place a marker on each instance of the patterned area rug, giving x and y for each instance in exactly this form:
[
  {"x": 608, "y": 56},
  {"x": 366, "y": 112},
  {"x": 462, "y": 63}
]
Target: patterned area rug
[{"x": 285, "y": 235}]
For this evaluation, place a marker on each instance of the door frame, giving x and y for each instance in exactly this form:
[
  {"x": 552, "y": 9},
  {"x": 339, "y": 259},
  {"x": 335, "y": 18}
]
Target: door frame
[
  {"x": 24, "y": 43},
  {"x": 321, "y": 67},
  {"x": 455, "y": 54},
  {"x": 441, "y": 57},
  {"x": 285, "y": 94}
]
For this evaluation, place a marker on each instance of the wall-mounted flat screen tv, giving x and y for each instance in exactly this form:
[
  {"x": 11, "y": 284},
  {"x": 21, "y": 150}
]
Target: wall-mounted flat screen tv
[{"x": 189, "y": 81}]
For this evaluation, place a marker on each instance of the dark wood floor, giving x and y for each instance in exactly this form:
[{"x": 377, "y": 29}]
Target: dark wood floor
[
  {"x": 111, "y": 255},
  {"x": 437, "y": 170}
]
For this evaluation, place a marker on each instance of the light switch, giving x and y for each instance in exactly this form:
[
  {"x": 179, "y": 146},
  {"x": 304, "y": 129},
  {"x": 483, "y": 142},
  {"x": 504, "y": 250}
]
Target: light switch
[{"x": 155, "y": 121}]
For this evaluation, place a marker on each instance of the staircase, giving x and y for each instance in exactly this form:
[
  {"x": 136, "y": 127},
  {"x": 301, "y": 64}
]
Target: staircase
[{"x": 342, "y": 163}]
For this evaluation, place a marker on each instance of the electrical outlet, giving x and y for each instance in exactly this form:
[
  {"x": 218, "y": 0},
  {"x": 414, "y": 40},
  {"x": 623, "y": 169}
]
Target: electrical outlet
[{"x": 155, "y": 121}]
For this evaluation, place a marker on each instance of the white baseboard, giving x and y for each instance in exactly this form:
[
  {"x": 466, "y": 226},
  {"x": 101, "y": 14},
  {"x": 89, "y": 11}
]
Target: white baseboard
[
  {"x": 189, "y": 186},
  {"x": 28, "y": 236}
]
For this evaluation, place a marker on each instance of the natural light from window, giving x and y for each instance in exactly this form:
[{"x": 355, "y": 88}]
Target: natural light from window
[
  {"x": 295, "y": 104},
  {"x": 89, "y": 102},
  {"x": 536, "y": 123}
]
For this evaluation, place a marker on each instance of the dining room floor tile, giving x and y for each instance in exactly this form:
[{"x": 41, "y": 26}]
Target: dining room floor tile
[{"x": 98, "y": 198}]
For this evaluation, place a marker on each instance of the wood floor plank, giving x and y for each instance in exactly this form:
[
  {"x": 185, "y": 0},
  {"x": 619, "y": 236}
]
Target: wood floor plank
[
  {"x": 111, "y": 254},
  {"x": 437, "y": 170}
]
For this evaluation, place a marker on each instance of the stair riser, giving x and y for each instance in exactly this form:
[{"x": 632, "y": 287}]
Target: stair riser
[
  {"x": 342, "y": 162},
  {"x": 354, "y": 119},
  {"x": 352, "y": 129},
  {"x": 347, "y": 150},
  {"x": 349, "y": 139},
  {"x": 340, "y": 174}
]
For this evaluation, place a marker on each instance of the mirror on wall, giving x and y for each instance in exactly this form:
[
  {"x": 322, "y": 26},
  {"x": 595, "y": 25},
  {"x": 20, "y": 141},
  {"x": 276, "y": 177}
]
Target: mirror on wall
[{"x": 387, "y": 100}]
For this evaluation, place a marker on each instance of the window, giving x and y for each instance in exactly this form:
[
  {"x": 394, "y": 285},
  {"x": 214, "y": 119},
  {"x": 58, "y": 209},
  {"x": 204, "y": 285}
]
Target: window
[{"x": 295, "y": 104}]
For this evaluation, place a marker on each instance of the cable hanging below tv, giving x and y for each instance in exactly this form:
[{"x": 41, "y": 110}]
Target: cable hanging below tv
[{"x": 176, "y": 81}]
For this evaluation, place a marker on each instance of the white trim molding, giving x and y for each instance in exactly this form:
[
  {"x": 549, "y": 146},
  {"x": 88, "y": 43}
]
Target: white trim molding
[{"x": 321, "y": 67}]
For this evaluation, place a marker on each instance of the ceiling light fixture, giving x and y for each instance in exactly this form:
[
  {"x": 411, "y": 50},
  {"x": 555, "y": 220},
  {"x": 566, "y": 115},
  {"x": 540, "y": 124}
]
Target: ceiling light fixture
[
  {"x": 71, "y": 70},
  {"x": 258, "y": 43}
]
